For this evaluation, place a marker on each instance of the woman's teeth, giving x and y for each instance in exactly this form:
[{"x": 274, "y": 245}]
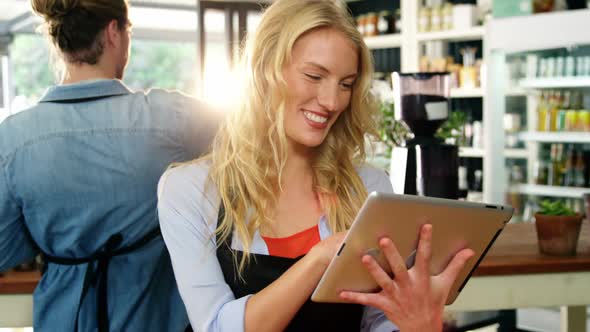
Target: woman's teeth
[{"x": 315, "y": 118}]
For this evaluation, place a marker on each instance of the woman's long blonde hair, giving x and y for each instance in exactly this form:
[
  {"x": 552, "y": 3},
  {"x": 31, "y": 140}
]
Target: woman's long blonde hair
[{"x": 250, "y": 150}]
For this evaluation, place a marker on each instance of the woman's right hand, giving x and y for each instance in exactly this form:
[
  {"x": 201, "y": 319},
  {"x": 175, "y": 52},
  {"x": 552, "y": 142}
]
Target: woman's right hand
[{"x": 325, "y": 250}]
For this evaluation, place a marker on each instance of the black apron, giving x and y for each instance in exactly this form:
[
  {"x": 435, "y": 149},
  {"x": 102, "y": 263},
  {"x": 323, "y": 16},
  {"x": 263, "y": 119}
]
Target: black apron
[
  {"x": 264, "y": 269},
  {"x": 97, "y": 276}
]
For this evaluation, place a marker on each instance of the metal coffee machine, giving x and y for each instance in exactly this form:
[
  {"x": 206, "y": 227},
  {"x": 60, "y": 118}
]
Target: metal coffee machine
[{"x": 424, "y": 165}]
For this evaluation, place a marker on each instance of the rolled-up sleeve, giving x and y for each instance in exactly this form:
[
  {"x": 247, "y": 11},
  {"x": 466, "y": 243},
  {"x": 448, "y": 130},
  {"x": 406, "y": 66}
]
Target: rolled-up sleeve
[
  {"x": 187, "y": 219},
  {"x": 15, "y": 243}
]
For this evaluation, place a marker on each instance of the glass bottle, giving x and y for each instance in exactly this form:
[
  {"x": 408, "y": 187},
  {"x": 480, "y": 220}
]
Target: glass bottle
[
  {"x": 424, "y": 19},
  {"x": 580, "y": 170},
  {"x": 568, "y": 178},
  {"x": 562, "y": 111},
  {"x": 553, "y": 169},
  {"x": 447, "y": 14},
  {"x": 555, "y": 106},
  {"x": 542, "y": 112}
]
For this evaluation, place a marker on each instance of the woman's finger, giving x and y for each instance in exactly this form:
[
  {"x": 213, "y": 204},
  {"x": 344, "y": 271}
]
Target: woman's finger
[
  {"x": 424, "y": 252},
  {"x": 456, "y": 265},
  {"x": 397, "y": 264},
  {"x": 368, "y": 299},
  {"x": 381, "y": 277}
]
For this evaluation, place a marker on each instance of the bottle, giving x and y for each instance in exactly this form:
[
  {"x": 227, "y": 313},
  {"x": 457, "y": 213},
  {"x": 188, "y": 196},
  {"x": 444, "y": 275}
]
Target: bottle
[
  {"x": 436, "y": 18},
  {"x": 478, "y": 181},
  {"x": 371, "y": 24},
  {"x": 385, "y": 23},
  {"x": 555, "y": 106},
  {"x": 447, "y": 13},
  {"x": 398, "y": 21},
  {"x": 361, "y": 22},
  {"x": 463, "y": 187},
  {"x": 580, "y": 170},
  {"x": 562, "y": 111},
  {"x": 542, "y": 112},
  {"x": 568, "y": 178},
  {"x": 553, "y": 167},
  {"x": 424, "y": 19}
]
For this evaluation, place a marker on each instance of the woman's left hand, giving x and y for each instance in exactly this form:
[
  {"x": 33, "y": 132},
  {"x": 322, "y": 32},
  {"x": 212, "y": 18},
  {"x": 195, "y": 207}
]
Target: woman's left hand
[{"x": 413, "y": 300}]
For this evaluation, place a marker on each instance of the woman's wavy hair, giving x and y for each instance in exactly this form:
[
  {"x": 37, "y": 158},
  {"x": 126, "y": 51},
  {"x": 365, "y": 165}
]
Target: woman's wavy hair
[{"x": 250, "y": 150}]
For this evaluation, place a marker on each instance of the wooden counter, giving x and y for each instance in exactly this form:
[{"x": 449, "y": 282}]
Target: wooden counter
[
  {"x": 13, "y": 282},
  {"x": 515, "y": 252}
]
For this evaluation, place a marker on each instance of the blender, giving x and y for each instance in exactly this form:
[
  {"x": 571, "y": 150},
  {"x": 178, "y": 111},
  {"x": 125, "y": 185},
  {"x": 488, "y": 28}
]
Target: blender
[{"x": 424, "y": 165}]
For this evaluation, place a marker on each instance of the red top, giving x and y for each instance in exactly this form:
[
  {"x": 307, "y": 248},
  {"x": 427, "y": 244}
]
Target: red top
[{"x": 295, "y": 245}]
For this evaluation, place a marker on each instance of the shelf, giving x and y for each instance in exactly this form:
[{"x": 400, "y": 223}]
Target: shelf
[
  {"x": 555, "y": 137},
  {"x": 516, "y": 91},
  {"x": 465, "y": 152},
  {"x": 516, "y": 153},
  {"x": 384, "y": 41},
  {"x": 541, "y": 190},
  {"x": 556, "y": 83},
  {"x": 467, "y": 93},
  {"x": 474, "y": 33}
]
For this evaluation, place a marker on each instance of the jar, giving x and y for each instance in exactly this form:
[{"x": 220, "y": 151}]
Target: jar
[
  {"x": 385, "y": 23},
  {"x": 371, "y": 24},
  {"x": 424, "y": 20},
  {"x": 361, "y": 21},
  {"x": 398, "y": 20},
  {"x": 542, "y": 6},
  {"x": 570, "y": 66},
  {"x": 447, "y": 14},
  {"x": 436, "y": 18}
]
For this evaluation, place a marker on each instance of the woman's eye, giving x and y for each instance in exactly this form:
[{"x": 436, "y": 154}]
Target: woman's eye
[
  {"x": 346, "y": 85},
  {"x": 313, "y": 77}
]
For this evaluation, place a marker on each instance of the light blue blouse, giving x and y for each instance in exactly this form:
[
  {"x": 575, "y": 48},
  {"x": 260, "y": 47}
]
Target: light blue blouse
[{"x": 188, "y": 205}]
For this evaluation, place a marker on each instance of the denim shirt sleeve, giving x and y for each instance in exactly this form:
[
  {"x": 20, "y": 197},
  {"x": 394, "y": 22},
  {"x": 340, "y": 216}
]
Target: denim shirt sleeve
[
  {"x": 203, "y": 121},
  {"x": 197, "y": 121},
  {"x": 15, "y": 243},
  {"x": 187, "y": 219}
]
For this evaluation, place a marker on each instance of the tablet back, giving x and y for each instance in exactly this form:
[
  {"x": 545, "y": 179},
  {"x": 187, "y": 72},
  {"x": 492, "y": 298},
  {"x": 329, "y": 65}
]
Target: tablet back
[{"x": 455, "y": 225}]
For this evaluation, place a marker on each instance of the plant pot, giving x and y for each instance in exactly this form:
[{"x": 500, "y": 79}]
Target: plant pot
[{"x": 558, "y": 235}]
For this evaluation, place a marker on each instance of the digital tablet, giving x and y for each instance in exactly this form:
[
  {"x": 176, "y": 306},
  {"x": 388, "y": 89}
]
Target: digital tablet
[{"x": 455, "y": 225}]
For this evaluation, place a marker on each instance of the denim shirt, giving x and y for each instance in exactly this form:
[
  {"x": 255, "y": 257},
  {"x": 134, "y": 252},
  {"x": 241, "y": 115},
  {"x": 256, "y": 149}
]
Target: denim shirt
[{"x": 84, "y": 164}]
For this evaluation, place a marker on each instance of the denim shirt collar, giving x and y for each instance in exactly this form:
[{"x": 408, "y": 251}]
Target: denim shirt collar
[{"x": 85, "y": 90}]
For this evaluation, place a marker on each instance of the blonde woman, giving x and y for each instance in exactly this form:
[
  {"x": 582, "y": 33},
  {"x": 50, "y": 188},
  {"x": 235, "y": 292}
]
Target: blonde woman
[{"x": 252, "y": 227}]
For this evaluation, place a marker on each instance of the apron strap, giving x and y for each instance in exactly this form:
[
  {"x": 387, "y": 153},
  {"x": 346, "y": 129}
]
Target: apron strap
[{"x": 98, "y": 276}]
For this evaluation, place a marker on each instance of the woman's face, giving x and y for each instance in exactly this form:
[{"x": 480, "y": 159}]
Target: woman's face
[{"x": 319, "y": 78}]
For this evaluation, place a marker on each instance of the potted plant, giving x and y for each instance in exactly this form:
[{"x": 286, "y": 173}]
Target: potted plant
[{"x": 558, "y": 228}]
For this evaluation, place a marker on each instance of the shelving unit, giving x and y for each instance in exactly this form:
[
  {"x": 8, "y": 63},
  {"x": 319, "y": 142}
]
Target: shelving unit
[{"x": 518, "y": 35}]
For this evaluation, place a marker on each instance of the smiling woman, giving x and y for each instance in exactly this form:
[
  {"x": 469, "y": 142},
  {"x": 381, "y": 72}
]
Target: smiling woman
[{"x": 252, "y": 227}]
